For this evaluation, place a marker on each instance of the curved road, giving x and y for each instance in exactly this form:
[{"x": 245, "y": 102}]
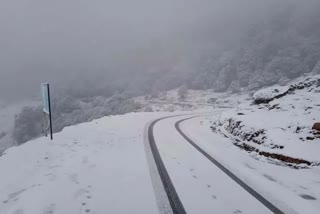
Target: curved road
[{"x": 191, "y": 180}]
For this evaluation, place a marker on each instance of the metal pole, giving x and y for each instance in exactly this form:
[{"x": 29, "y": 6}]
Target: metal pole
[{"x": 50, "y": 118}]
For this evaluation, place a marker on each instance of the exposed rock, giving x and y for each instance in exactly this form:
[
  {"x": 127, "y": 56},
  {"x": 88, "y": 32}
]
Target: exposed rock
[
  {"x": 298, "y": 129},
  {"x": 284, "y": 158},
  {"x": 246, "y": 147},
  {"x": 274, "y": 106},
  {"x": 213, "y": 128},
  {"x": 277, "y": 147},
  {"x": 316, "y": 126},
  {"x": 308, "y": 108},
  {"x": 235, "y": 128},
  {"x": 268, "y": 94}
]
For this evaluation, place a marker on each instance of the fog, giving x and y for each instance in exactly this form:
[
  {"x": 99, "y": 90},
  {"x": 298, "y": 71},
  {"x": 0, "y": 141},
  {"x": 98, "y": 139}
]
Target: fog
[
  {"x": 98, "y": 54},
  {"x": 86, "y": 43}
]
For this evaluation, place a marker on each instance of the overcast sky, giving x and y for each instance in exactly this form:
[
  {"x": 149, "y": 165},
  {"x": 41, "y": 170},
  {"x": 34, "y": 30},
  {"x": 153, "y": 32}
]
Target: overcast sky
[{"x": 57, "y": 40}]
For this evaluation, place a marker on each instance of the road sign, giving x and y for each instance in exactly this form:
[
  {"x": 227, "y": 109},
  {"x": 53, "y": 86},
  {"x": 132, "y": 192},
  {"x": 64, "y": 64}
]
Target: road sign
[
  {"x": 45, "y": 97},
  {"x": 46, "y": 105}
]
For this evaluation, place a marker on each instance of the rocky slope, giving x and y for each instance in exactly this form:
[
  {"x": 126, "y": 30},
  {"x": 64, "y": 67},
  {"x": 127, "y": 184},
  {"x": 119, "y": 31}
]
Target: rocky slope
[{"x": 279, "y": 123}]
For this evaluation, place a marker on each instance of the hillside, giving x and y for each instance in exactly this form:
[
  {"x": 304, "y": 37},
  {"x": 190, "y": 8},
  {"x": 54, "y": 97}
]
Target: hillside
[
  {"x": 69, "y": 111},
  {"x": 278, "y": 123},
  {"x": 7, "y": 116}
]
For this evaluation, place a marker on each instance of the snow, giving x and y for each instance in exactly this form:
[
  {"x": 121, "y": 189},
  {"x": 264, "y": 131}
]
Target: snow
[
  {"x": 286, "y": 122},
  {"x": 294, "y": 188},
  {"x": 102, "y": 166},
  {"x": 78, "y": 110},
  {"x": 283, "y": 186},
  {"x": 201, "y": 186},
  {"x": 196, "y": 100},
  {"x": 270, "y": 92},
  {"x": 94, "y": 167}
]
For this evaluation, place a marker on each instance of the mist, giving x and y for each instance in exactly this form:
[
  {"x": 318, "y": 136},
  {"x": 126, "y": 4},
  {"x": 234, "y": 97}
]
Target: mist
[{"x": 106, "y": 44}]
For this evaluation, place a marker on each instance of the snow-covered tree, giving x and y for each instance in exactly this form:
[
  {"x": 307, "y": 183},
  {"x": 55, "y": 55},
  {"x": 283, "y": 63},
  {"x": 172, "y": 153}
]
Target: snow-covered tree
[{"x": 183, "y": 92}]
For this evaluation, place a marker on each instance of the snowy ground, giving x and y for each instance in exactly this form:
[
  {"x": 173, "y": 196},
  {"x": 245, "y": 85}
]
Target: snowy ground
[
  {"x": 101, "y": 167},
  {"x": 96, "y": 167},
  {"x": 242, "y": 136},
  {"x": 283, "y": 126},
  {"x": 202, "y": 187},
  {"x": 292, "y": 190}
]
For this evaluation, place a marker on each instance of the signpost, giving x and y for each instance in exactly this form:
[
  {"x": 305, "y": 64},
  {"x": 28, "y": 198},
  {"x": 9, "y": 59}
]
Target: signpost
[{"x": 46, "y": 106}]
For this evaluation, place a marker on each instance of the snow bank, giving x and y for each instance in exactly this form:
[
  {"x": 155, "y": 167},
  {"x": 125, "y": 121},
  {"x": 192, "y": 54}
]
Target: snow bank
[
  {"x": 268, "y": 94},
  {"x": 281, "y": 127}
]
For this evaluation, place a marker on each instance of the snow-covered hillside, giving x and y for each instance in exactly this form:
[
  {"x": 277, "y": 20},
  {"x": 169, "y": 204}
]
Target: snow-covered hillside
[
  {"x": 277, "y": 123},
  {"x": 7, "y": 114},
  {"x": 71, "y": 111},
  {"x": 204, "y": 100}
]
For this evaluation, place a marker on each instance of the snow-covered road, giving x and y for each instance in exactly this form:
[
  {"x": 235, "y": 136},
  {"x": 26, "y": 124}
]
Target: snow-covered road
[{"x": 201, "y": 186}]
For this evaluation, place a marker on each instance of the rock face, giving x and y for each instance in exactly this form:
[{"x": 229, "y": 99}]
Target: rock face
[
  {"x": 316, "y": 126},
  {"x": 266, "y": 95},
  {"x": 269, "y": 94}
]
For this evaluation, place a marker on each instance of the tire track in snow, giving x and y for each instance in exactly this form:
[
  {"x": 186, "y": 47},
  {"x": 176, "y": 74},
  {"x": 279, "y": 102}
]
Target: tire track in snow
[
  {"x": 174, "y": 200},
  {"x": 251, "y": 191}
]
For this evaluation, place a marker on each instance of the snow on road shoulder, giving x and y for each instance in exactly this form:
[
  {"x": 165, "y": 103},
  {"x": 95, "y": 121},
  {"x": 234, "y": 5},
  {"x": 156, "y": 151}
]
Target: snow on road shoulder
[
  {"x": 292, "y": 190},
  {"x": 95, "y": 167}
]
